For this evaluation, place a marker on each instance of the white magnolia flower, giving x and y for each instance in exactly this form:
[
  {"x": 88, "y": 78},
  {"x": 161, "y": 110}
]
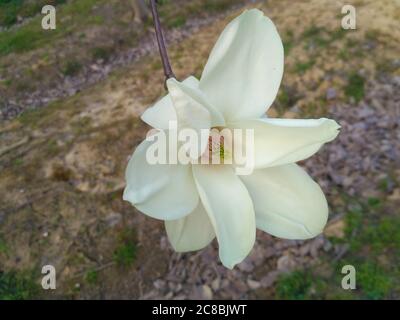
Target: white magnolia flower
[{"x": 201, "y": 202}]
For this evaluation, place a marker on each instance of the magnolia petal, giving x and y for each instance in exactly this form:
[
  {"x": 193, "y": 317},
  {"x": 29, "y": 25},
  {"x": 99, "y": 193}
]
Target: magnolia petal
[
  {"x": 190, "y": 102},
  {"x": 245, "y": 68},
  {"x": 191, "y": 114},
  {"x": 162, "y": 191},
  {"x": 230, "y": 210},
  {"x": 191, "y": 233},
  {"x": 287, "y": 202},
  {"x": 282, "y": 141},
  {"x": 162, "y": 112}
]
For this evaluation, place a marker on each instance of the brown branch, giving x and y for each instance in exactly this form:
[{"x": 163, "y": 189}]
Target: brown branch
[{"x": 161, "y": 42}]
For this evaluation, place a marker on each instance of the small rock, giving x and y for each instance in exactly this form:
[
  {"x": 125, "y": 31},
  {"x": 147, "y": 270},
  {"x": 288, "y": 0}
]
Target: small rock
[
  {"x": 246, "y": 266},
  {"x": 215, "y": 284},
  {"x": 169, "y": 295},
  {"x": 113, "y": 219},
  {"x": 269, "y": 279},
  {"x": 207, "y": 292},
  {"x": 395, "y": 195},
  {"x": 203, "y": 292},
  {"x": 304, "y": 250},
  {"x": 285, "y": 263},
  {"x": 327, "y": 246},
  {"x": 159, "y": 284},
  {"x": 330, "y": 94},
  {"x": 253, "y": 285}
]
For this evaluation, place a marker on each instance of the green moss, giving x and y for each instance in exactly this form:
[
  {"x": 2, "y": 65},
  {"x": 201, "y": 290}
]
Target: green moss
[
  {"x": 287, "y": 46},
  {"x": 374, "y": 202},
  {"x": 102, "y": 53},
  {"x": 294, "y": 286},
  {"x": 17, "y": 286},
  {"x": 18, "y": 162},
  {"x": 338, "y": 34},
  {"x": 216, "y": 6},
  {"x": 52, "y": 148},
  {"x": 373, "y": 281},
  {"x": 10, "y": 10},
  {"x": 353, "y": 221},
  {"x": 20, "y": 41},
  {"x": 176, "y": 22},
  {"x": 36, "y": 117},
  {"x": 288, "y": 42},
  {"x": 3, "y": 246},
  {"x": 312, "y": 31},
  {"x": 287, "y": 98},
  {"x": 71, "y": 68},
  {"x": 31, "y": 35},
  {"x": 302, "y": 67},
  {"x": 383, "y": 235},
  {"x": 355, "y": 87},
  {"x": 125, "y": 252},
  {"x": 92, "y": 277},
  {"x": 343, "y": 54}
]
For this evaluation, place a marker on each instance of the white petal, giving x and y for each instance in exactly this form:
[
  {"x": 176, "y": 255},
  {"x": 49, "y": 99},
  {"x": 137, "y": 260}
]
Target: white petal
[
  {"x": 282, "y": 141},
  {"x": 245, "y": 68},
  {"x": 159, "y": 115},
  {"x": 191, "y": 106},
  {"x": 230, "y": 209},
  {"x": 287, "y": 202},
  {"x": 162, "y": 191},
  {"x": 191, "y": 233}
]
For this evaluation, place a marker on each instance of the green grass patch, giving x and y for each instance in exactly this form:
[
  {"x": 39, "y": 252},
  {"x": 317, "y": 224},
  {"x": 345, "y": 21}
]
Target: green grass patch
[
  {"x": 287, "y": 98},
  {"x": 35, "y": 117},
  {"x": 374, "y": 202},
  {"x": 302, "y": 67},
  {"x": 373, "y": 232},
  {"x": 31, "y": 35},
  {"x": 102, "y": 53},
  {"x": 92, "y": 277},
  {"x": 71, "y": 68},
  {"x": 125, "y": 252},
  {"x": 17, "y": 286},
  {"x": 383, "y": 235},
  {"x": 288, "y": 42},
  {"x": 3, "y": 246},
  {"x": 176, "y": 22},
  {"x": 10, "y": 10},
  {"x": 294, "y": 286},
  {"x": 22, "y": 40},
  {"x": 312, "y": 31},
  {"x": 343, "y": 54},
  {"x": 355, "y": 87},
  {"x": 374, "y": 281},
  {"x": 217, "y": 6}
]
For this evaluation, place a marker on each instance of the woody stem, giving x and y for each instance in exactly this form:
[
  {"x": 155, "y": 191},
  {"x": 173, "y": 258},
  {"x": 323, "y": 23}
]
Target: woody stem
[{"x": 161, "y": 42}]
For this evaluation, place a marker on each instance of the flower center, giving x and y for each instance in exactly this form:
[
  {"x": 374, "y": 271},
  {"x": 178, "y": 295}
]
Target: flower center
[{"x": 219, "y": 147}]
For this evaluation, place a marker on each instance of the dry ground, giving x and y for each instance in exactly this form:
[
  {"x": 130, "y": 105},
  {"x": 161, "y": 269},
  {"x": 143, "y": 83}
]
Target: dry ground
[{"x": 62, "y": 171}]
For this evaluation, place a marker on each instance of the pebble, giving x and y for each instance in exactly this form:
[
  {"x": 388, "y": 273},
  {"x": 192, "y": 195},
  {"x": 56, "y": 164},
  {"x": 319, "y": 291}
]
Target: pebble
[{"x": 253, "y": 285}]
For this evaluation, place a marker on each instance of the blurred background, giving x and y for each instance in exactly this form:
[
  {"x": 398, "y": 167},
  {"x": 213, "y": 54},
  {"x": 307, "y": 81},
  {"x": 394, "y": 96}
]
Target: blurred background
[{"x": 70, "y": 101}]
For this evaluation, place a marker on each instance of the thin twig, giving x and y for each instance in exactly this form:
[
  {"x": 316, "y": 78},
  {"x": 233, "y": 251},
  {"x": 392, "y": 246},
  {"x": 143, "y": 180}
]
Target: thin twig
[
  {"x": 161, "y": 42},
  {"x": 97, "y": 269}
]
